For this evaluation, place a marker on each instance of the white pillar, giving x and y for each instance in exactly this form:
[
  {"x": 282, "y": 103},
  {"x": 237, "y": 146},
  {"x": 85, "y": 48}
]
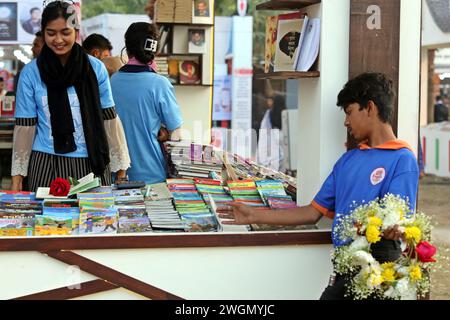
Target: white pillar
[
  {"x": 322, "y": 134},
  {"x": 409, "y": 72}
]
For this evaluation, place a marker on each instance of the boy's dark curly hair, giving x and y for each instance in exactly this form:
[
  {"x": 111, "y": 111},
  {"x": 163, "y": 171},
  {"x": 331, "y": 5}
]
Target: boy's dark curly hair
[{"x": 376, "y": 87}]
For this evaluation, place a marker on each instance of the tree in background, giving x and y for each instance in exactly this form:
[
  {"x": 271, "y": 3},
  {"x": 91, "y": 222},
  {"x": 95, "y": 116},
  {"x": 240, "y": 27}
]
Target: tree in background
[{"x": 93, "y": 8}]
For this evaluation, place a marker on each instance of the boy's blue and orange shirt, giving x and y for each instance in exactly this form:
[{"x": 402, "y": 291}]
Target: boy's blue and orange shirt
[{"x": 364, "y": 174}]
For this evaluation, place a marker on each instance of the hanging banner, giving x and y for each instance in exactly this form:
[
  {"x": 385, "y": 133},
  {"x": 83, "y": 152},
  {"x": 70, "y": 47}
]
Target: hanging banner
[{"x": 21, "y": 19}]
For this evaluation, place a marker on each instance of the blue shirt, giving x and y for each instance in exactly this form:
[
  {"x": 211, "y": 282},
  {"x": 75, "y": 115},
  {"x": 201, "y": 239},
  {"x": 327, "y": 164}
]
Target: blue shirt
[
  {"x": 32, "y": 102},
  {"x": 144, "y": 101},
  {"x": 362, "y": 175}
]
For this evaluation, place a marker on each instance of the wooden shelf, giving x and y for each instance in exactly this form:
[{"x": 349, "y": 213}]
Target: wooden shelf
[
  {"x": 285, "y": 4},
  {"x": 281, "y": 75}
]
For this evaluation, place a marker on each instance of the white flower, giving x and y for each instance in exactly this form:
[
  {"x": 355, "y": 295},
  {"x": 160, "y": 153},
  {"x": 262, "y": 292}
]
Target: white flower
[
  {"x": 362, "y": 258},
  {"x": 360, "y": 243},
  {"x": 402, "y": 287},
  {"x": 391, "y": 219}
]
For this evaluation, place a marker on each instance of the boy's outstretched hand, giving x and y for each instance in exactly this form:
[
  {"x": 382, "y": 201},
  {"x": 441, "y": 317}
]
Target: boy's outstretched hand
[{"x": 236, "y": 213}]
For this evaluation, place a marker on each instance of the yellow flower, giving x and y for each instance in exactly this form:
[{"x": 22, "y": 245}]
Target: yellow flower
[
  {"x": 388, "y": 275},
  {"x": 372, "y": 234},
  {"x": 413, "y": 233},
  {"x": 387, "y": 265},
  {"x": 415, "y": 273},
  {"x": 375, "y": 221},
  {"x": 402, "y": 214},
  {"x": 375, "y": 279}
]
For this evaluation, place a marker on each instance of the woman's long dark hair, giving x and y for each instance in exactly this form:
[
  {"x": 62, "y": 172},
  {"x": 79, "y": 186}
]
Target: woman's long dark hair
[
  {"x": 279, "y": 105},
  {"x": 135, "y": 39}
]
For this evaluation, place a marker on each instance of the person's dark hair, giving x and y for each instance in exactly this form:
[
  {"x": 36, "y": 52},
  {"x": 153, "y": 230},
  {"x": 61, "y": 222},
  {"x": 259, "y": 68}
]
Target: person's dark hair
[
  {"x": 438, "y": 98},
  {"x": 39, "y": 34},
  {"x": 369, "y": 86},
  {"x": 96, "y": 41},
  {"x": 34, "y": 9},
  {"x": 135, "y": 39},
  {"x": 279, "y": 105},
  {"x": 1, "y": 79},
  {"x": 55, "y": 10}
]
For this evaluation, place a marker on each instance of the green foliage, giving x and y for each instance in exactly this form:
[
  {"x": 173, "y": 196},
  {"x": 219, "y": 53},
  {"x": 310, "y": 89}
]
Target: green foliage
[{"x": 92, "y": 8}]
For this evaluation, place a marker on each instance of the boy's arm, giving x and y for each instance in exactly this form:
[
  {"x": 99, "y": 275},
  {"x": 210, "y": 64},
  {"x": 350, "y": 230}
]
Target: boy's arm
[{"x": 239, "y": 213}]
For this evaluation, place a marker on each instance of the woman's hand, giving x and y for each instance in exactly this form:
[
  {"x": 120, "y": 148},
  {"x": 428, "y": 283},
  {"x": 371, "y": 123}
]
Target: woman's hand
[
  {"x": 163, "y": 135},
  {"x": 16, "y": 183}
]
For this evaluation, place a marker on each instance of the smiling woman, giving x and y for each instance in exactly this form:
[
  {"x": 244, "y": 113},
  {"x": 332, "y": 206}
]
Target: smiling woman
[{"x": 65, "y": 112}]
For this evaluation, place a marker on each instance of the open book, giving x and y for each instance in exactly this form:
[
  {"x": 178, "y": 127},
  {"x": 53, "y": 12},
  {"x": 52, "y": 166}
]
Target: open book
[
  {"x": 308, "y": 46},
  {"x": 84, "y": 184}
]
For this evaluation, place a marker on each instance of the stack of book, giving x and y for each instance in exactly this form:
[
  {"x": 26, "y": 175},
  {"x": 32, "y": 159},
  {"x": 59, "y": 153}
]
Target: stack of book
[
  {"x": 17, "y": 213},
  {"x": 183, "y": 11},
  {"x": 160, "y": 209},
  {"x": 190, "y": 205},
  {"x": 97, "y": 213},
  {"x": 274, "y": 195},
  {"x": 211, "y": 189},
  {"x": 164, "y": 11},
  {"x": 130, "y": 206},
  {"x": 163, "y": 66},
  {"x": 190, "y": 160},
  {"x": 244, "y": 191},
  {"x": 59, "y": 217}
]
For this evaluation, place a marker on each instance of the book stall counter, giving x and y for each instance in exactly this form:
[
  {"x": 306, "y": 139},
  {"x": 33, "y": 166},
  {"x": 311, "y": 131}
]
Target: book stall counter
[
  {"x": 130, "y": 243},
  {"x": 260, "y": 265}
]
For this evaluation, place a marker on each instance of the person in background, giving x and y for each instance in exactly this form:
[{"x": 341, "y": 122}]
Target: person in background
[
  {"x": 97, "y": 46},
  {"x": 270, "y": 151},
  {"x": 66, "y": 124},
  {"x": 33, "y": 24},
  {"x": 380, "y": 165},
  {"x": 112, "y": 64},
  {"x": 36, "y": 48},
  {"x": 145, "y": 101},
  {"x": 2, "y": 87},
  {"x": 38, "y": 43},
  {"x": 440, "y": 110}
]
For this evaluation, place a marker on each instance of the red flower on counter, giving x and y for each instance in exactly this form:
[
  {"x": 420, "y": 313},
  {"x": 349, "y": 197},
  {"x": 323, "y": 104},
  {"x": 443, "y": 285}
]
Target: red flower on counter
[
  {"x": 59, "y": 187},
  {"x": 425, "y": 252}
]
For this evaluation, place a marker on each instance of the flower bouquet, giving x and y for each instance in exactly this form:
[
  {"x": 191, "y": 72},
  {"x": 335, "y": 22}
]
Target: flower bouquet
[{"x": 404, "y": 278}]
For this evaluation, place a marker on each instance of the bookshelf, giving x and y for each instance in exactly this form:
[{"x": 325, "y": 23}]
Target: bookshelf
[
  {"x": 180, "y": 21},
  {"x": 322, "y": 137},
  {"x": 293, "y": 5},
  {"x": 285, "y": 4},
  {"x": 288, "y": 75}
]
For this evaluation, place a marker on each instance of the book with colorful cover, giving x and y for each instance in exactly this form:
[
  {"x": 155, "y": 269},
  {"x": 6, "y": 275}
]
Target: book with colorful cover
[
  {"x": 270, "y": 43},
  {"x": 288, "y": 36},
  {"x": 54, "y": 221},
  {"x": 98, "y": 220},
  {"x": 133, "y": 220},
  {"x": 17, "y": 224}
]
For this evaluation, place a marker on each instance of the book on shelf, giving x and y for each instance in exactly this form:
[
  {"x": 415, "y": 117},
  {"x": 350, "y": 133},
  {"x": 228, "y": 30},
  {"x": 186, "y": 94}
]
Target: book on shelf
[
  {"x": 288, "y": 36},
  {"x": 308, "y": 46},
  {"x": 270, "y": 43},
  {"x": 164, "y": 32},
  {"x": 189, "y": 72}
]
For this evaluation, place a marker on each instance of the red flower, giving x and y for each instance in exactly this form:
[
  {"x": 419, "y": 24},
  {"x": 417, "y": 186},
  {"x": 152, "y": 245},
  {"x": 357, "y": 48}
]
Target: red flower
[
  {"x": 59, "y": 187},
  {"x": 425, "y": 252}
]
